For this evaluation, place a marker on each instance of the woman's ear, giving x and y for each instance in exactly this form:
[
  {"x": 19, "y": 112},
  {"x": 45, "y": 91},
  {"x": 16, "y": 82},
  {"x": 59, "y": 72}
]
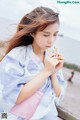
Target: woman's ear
[{"x": 32, "y": 35}]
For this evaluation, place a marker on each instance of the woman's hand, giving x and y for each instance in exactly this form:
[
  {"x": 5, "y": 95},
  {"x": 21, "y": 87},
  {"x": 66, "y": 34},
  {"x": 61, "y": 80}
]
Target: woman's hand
[
  {"x": 60, "y": 58},
  {"x": 54, "y": 79},
  {"x": 53, "y": 63}
]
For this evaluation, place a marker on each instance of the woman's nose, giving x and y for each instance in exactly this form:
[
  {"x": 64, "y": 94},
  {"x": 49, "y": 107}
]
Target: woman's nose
[{"x": 51, "y": 40}]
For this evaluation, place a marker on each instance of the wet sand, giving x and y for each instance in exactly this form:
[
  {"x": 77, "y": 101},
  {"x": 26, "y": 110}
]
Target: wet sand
[{"x": 71, "y": 101}]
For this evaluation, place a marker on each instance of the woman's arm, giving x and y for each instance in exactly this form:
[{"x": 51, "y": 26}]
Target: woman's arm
[
  {"x": 55, "y": 82},
  {"x": 32, "y": 86},
  {"x": 37, "y": 82},
  {"x": 59, "y": 86},
  {"x": 56, "y": 85}
]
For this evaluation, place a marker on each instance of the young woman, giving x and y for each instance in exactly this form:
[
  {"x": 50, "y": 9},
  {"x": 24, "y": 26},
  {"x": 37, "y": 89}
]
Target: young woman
[{"x": 27, "y": 67}]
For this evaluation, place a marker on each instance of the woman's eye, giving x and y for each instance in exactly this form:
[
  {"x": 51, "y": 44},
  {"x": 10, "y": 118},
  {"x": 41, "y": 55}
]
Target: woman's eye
[
  {"x": 46, "y": 35},
  {"x": 55, "y": 34}
]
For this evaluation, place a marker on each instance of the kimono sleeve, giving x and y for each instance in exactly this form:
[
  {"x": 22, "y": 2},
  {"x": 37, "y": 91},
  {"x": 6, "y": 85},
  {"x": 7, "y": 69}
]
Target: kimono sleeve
[
  {"x": 12, "y": 77},
  {"x": 63, "y": 84}
]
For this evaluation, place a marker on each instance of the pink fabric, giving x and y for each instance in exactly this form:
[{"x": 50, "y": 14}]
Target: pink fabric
[{"x": 27, "y": 108}]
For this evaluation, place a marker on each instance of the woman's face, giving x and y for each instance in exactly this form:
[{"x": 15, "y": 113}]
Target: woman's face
[{"x": 46, "y": 38}]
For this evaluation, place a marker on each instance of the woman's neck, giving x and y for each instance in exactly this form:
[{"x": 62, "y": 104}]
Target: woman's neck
[{"x": 38, "y": 51}]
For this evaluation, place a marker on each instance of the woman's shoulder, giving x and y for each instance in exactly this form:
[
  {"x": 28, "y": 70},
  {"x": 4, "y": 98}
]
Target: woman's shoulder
[{"x": 18, "y": 53}]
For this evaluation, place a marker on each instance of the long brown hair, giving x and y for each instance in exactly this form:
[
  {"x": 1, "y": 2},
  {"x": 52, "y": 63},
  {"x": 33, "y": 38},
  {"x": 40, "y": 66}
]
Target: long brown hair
[{"x": 36, "y": 20}]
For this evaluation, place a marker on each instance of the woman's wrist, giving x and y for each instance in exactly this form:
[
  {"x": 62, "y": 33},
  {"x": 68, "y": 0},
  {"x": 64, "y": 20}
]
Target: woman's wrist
[
  {"x": 47, "y": 73},
  {"x": 54, "y": 75}
]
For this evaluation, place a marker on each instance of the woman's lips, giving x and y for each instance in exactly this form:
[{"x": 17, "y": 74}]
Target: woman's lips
[{"x": 49, "y": 46}]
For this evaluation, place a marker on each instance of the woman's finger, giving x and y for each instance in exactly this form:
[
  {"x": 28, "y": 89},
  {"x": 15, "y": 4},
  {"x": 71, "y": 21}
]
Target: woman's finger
[{"x": 60, "y": 58}]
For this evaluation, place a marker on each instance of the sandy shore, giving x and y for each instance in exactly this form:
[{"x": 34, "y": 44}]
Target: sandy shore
[{"x": 71, "y": 101}]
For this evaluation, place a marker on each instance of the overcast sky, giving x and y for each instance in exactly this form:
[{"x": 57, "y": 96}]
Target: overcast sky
[{"x": 69, "y": 13}]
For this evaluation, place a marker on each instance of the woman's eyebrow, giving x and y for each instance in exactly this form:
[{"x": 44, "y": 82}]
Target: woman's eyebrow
[
  {"x": 56, "y": 31},
  {"x": 46, "y": 32},
  {"x": 49, "y": 32}
]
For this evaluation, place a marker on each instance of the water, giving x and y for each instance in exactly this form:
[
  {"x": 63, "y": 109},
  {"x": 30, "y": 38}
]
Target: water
[{"x": 70, "y": 48}]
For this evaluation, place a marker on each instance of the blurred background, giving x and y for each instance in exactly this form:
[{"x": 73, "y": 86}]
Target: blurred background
[{"x": 68, "y": 42}]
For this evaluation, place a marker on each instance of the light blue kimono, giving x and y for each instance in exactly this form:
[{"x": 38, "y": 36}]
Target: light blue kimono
[{"x": 18, "y": 67}]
